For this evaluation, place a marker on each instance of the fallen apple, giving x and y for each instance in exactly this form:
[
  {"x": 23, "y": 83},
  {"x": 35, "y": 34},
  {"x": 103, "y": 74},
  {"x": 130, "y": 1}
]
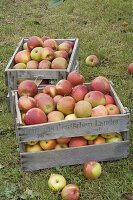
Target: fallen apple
[
  {"x": 92, "y": 60},
  {"x": 70, "y": 192},
  {"x": 56, "y": 182},
  {"x": 92, "y": 170},
  {"x": 130, "y": 68}
]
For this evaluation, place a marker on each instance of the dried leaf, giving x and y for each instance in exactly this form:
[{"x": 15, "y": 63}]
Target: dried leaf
[
  {"x": 128, "y": 196},
  {"x": 54, "y": 3}
]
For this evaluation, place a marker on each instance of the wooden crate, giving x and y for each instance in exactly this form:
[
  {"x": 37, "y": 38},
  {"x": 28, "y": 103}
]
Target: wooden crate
[{"x": 72, "y": 128}]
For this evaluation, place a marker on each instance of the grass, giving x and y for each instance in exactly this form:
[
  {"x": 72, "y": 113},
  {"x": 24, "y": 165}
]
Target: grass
[{"x": 104, "y": 28}]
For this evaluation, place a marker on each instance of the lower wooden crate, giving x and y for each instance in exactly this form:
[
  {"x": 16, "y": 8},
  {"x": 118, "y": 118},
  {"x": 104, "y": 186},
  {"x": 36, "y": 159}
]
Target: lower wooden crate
[{"x": 76, "y": 155}]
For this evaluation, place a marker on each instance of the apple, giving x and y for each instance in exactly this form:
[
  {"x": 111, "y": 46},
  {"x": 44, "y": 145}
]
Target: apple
[
  {"x": 33, "y": 42},
  {"x": 45, "y": 37},
  {"x": 36, "y": 54},
  {"x": 70, "y": 192},
  {"x": 56, "y": 98},
  {"x": 66, "y": 105},
  {"x": 130, "y": 68},
  {"x": 25, "y": 103},
  {"x": 56, "y": 182},
  {"x": 22, "y": 57},
  {"x": 35, "y": 116},
  {"x": 77, "y": 142},
  {"x": 32, "y": 143},
  {"x": 63, "y": 140},
  {"x": 70, "y": 116},
  {"x": 47, "y": 53},
  {"x": 79, "y": 92},
  {"x": 46, "y": 103},
  {"x": 90, "y": 137},
  {"x": 82, "y": 109},
  {"x": 44, "y": 64},
  {"x": 32, "y": 64},
  {"x": 90, "y": 142},
  {"x": 25, "y": 47},
  {"x": 64, "y": 46},
  {"x": 109, "y": 99},
  {"x": 20, "y": 66},
  {"x": 92, "y": 60},
  {"x": 37, "y": 96},
  {"x": 112, "y": 109},
  {"x": 95, "y": 98},
  {"x": 27, "y": 88},
  {"x": 99, "y": 140},
  {"x": 55, "y": 115},
  {"x": 116, "y": 138},
  {"x": 51, "y": 43},
  {"x": 99, "y": 111},
  {"x": 62, "y": 54},
  {"x": 100, "y": 83},
  {"x": 48, "y": 144},
  {"x": 70, "y": 43},
  {"x": 61, "y": 146},
  {"x": 33, "y": 148},
  {"x": 59, "y": 63},
  {"x": 50, "y": 89},
  {"x": 108, "y": 135},
  {"x": 92, "y": 170},
  {"x": 63, "y": 87},
  {"x": 75, "y": 78}
]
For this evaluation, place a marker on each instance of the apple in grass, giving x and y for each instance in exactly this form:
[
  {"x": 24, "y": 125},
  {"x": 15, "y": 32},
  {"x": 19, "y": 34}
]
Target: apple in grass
[
  {"x": 130, "y": 68},
  {"x": 99, "y": 111},
  {"x": 63, "y": 87},
  {"x": 22, "y": 57},
  {"x": 51, "y": 43},
  {"x": 35, "y": 116},
  {"x": 112, "y": 109},
  {"x": 70, "y": 192},
  {"x": 46, "y": 103},
  {"x": 75, "y": 78},
  {"x": 100, "y": 83},
  {"x": 66, "y": 105},
  {"x": 92, "y": 170},
  {"x": 32, "y": 64},
  {"x": 20, "y": 66},
  {"x": 59, "y": 63},
  {"x": 77, "y": 142},
  {"x": 92, "y": 60},
  {"x": 63, "y": 140},
  {"x": 79, "y": 92},
  {"x": 25, "y": 103},
  {"x": 109, "y": 99},
  {"x": 56, "y": 182},
  {"x": 95, "y": 98},
  {"x": 55, "y": 116},
  {"x": 34, "y": 42},
  {"x": 47, "y": 53},
  {"x": 82, "y": 109},
  {"x": 36, "y": 54},
  {"x": 50, "y": 89},
  {"x": 27, "y": 88},
  {"x": 44, "y": 64},
  {"x": 70, "y": 116},
  {"x": 48, "y": 144},
  {"x": 33, "y": 148}
]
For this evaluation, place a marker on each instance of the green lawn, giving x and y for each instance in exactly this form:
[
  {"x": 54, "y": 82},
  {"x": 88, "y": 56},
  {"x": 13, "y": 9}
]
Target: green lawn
[{"x": 104, "y": 28}]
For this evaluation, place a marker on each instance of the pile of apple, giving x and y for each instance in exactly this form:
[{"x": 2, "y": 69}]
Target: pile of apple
[{"x": 43, "y": 53}]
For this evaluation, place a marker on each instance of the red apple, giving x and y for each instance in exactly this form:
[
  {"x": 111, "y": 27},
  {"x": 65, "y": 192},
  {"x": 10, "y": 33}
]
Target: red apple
[
  {"x": 75, "y": 78},
  {"x": 57, "y": 98},
  {"x": 82, "y": 109},
  {"x": 25, "y": 103},
  {"x": 62, "y": 54},
  {"x": 44, "y": 64},
  {"x": 95, "y": 98},
  {"x": 35, "y": 116},
  {"x": 47, "y": 53},
  {"x": 92, "y": 60},
  {"x": 130, "y": 68},
  {"x": 65, "y": 46},
  {"x": 59, "y": 63},
  {"x": 112, "y": 109},
  {"x": 48, "y": 144},
  {"x": 70, "y": 43},
  {"x": 51, "y": 43},
  {"x": 77, "y": 142},
  {"x": 55, "y": 115},
  {"x": 33, "y": 148},
  {"x": 33, "y": 42},
  {"x": 92, "y": 170},
  {"x": 109, "y": 99},
  {"x": 99, "y": 111},
  {"x": 46, "y": 103},
  {"x": 99, "y": 140},
  {"x": 50, "y": 89},
  {"x": 101, "y": 84},
  {"x": 63, "y": 87},
  {"x": 37, "y": 96},
  {"x": 70, "y": 192},
  {"x": 79, "y": 92},
  {"x": 27, "y": 88},
  {"x": 45, "y": 37},
  {"x": 36, "y": 54},
  {"x": 32, "y": 64},
  {"x": 20, "y": 66},
  {"x": 63, "y": 140},
  {"x": 22, "y": 57},
  {"x": 66, "y": 105}
]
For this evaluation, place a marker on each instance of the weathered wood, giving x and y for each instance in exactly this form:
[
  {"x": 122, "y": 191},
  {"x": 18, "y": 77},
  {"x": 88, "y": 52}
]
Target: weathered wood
[{"x": 71, "y": 156}]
